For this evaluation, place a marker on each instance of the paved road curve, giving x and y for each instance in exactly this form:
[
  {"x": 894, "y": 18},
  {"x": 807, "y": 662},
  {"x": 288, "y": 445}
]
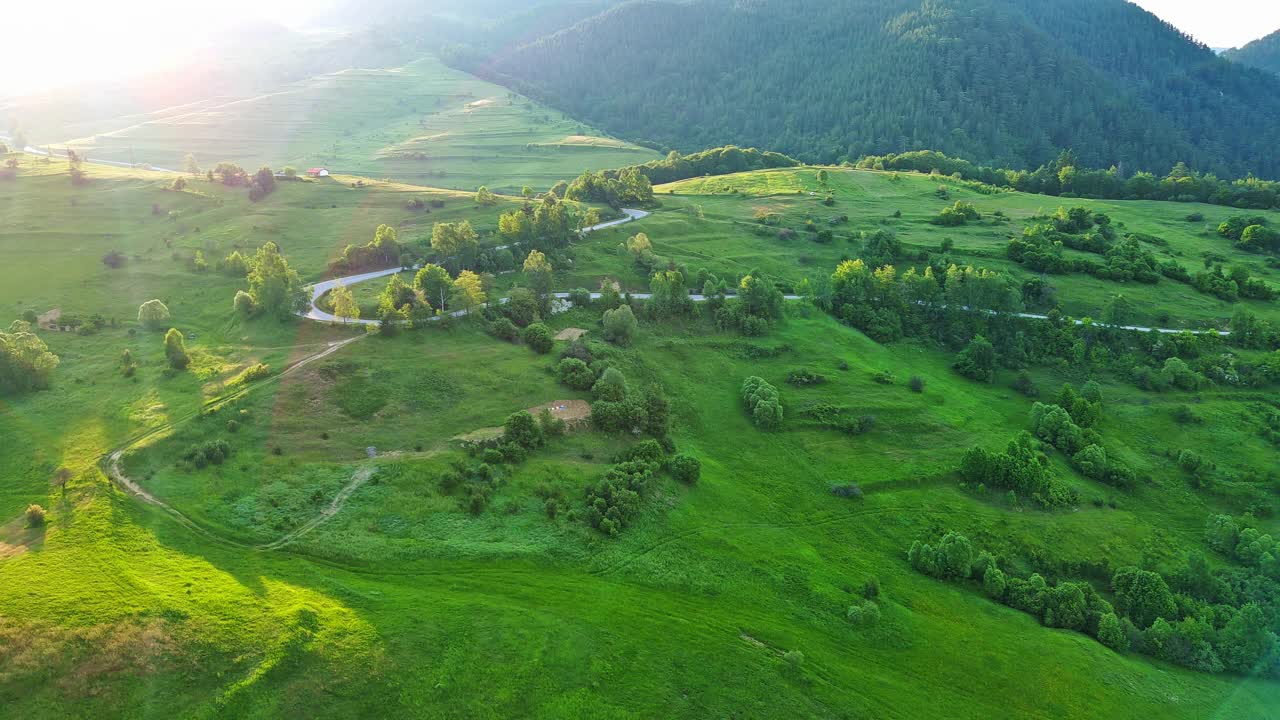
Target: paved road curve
[{"x": 319, "y": 289}]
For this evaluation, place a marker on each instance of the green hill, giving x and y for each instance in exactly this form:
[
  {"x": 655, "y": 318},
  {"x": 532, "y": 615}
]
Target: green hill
[
  {"x": 1263, "y": 53},
  {"x": 421, "y": 122},
  {"x": 1005, "y": 82}
]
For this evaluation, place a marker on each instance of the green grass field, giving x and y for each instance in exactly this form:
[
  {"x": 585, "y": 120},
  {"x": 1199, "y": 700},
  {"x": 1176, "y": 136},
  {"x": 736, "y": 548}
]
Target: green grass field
[
  {"x": 404, "y": 604},
  {"x": 422, "y": 123},
  {"x": 711, "y": 222}
]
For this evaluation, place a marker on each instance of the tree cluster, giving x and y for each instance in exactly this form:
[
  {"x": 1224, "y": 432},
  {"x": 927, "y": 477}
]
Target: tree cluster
[{"x": 25, "y": 361}]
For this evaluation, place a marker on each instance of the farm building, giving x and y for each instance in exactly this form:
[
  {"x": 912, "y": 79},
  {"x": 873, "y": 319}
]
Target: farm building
[{"x": 318, "y": 172}]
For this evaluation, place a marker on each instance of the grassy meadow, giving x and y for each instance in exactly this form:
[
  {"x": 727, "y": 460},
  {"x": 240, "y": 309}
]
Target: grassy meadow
[
  {"x": 405, "y": 604},
  {"x": 422, "y": 123},
  {"x": 711, "y": 222}
]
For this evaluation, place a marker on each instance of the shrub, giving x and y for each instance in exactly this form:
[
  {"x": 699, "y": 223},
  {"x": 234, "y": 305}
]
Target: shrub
[
  {"x": 504, "y": 329},
  {"x": 175, "y": 350},
  {"x": 1190, "y": 461},
  {"x": 916, "y": 383},
  {"x": 213, "y": 452},
  {"x": 952, "y": 558},
  {"x": 243, "y": 304},
  {"x": 686, "y": 468},
  {"x": 977, "y": 360},
  {"x": 646, "y": 451},
  {"x": 611, "y": 387},
  {"x": 994, "y": 583},
  {"x": 620, "y": 325},
  {"x": 1111, "y": 634},
  {"x": 539, "y": 339},
  {"x": 550, "y": 425},
  {"x": 849, "y": 490},
  {"x": 580, "y": 297},
  {"x": 255, "y": 372},
  {"x": 1025, "y": 385},
  {"x": 35, "y": 516},
  {"x": 794, "y": 658},
  {"x": 762, "y": 402},
  {"x": 804, "y": 376},
  {"x": 153, "y": 314},
  {"x": 863, "y": 614},
  {"x": 871, "y": 588},
  {"x": 521, "y": 430},
  {"x": 575, "y": 374}
]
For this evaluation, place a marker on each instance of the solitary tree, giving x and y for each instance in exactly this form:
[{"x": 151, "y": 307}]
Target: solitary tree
[
  {"x": 435, "y": 284},
  {"x": 485, "y": 198},
  {"x": 190, "y": 165},
  {"x": 273, "y": 285},
  {"x": 153, "y": 314},
  {"x": 468, "y": 291},
  {"x": 538, "y": 270},
  {"x": 977, "y": 360},
  {"x": 344, "y": 304},
  {"x": 175, "y": 349},
  {"x": 620, "y": 325}
]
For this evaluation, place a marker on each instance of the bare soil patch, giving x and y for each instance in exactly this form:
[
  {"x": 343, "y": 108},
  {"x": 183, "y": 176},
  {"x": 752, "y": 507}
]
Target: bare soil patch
[
  {"x": 573, "y": 412},
  {"x": 570, "y": 334},
  {"x": 49, "y": 320}
]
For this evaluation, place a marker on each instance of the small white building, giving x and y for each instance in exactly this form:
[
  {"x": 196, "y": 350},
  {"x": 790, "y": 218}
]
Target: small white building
[{"x": 318, "y": 172}]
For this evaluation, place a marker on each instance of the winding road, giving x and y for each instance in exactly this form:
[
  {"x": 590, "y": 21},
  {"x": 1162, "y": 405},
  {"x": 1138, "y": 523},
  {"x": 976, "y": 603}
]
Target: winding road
[{"x": 318, "y": 290}]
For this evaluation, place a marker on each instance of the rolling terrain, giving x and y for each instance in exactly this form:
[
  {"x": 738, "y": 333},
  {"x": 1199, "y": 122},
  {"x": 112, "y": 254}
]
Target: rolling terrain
[{"x": 390, "y": 596}]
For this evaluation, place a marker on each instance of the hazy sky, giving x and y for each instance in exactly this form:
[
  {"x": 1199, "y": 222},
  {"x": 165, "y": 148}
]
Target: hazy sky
[
  {"x": 48, "y": 43},
  {"x": 1219, "y": 23}
]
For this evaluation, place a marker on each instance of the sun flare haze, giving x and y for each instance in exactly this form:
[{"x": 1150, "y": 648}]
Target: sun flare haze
[{"x": 48, "y": 45}]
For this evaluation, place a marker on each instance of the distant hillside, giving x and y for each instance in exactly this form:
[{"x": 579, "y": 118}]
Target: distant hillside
[
  {"x": 1007, "y": 82},
  {"x": 1263, "y": 53}
]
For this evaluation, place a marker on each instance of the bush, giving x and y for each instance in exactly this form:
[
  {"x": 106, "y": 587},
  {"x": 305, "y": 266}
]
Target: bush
[
  {"x": 175, "y": 350},
  {"x": 977, "y": 360},
  {"x": 804, "y": 376},
  {"x": 551, "y": 425},
  {"x": 686, "y": 468},
  {"x": 153, "y": 314},
  {"x": 504, "y": 329},
  {"x": 916, "y": 383},
  {"x": 611, "y": 387},
  {"x": 255, "y": 372},
  {"x": 243, "y": 304},
  {"x": 213, "y": 452},
  {"x": 575, "y": 374},
  {"x": 539, "y": 338},
  {"x": 863, "y": 614},
  {"x": 794, "y": 658},
  {"x": 850, "y": 490},
  {"x": 646, "y": 451},
  {"x": 35, "y": 516},
  {"x": 521, "y": 430},
  {"x": 763, "y": 403},
  {"x": 1185, "y": 415},
  {"x": 871, "y": 588},
  {"x": 620, "y": 325},
  {"x": 1025, "y": 385},
  {"x": 580, "y": 297}
]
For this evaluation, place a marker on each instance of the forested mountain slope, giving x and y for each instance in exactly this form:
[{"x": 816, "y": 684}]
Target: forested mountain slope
[
  {"x": 1263, "y": 53},
  {"x": 1008, "y": 82}
]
